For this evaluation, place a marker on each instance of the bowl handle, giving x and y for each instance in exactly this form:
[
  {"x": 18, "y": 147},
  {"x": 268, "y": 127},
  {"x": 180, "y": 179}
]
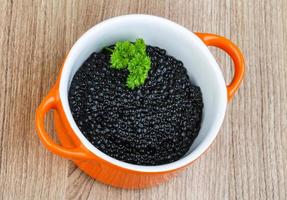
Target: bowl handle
[
  {"x": 234, "y": 52},
  {"x": 51, "y": 101}
]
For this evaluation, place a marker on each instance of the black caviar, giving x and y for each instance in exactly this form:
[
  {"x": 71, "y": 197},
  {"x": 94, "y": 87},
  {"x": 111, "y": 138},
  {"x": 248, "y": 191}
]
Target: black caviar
[{"x": 151, "y": 125}]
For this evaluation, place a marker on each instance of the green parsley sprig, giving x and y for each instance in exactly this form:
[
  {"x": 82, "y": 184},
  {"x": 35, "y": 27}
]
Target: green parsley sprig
[{"x": 132, "y": 56}]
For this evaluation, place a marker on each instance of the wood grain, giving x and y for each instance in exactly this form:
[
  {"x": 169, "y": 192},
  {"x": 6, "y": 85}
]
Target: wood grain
[{"x": 248, "y": 159}]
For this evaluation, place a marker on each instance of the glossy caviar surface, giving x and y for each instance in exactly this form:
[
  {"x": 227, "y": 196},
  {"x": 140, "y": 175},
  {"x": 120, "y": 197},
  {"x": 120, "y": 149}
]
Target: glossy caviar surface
[{"x": 150, "y": 125}]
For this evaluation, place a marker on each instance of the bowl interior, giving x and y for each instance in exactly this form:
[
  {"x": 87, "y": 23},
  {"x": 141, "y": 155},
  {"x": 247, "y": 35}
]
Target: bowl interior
[{"x": 180, "y": 43}]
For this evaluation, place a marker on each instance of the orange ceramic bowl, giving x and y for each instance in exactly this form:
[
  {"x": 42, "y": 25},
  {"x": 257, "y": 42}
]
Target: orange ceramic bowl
[{"x": 190, "y": 48}]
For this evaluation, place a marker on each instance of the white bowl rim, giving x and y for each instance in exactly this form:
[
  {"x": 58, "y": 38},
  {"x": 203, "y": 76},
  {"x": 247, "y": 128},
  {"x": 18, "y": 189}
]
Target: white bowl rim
[{"x": 201, "y": 148}]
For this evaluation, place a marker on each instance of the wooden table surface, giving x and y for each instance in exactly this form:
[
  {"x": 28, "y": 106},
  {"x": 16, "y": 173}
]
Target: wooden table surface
[{"x": 249, "y": 157}]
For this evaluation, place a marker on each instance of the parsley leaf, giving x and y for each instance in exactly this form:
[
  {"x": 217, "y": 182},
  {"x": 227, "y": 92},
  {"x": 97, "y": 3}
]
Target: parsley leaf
[
  {"x": 133, "y": 57},
  {"x": 122, "y": 54}
]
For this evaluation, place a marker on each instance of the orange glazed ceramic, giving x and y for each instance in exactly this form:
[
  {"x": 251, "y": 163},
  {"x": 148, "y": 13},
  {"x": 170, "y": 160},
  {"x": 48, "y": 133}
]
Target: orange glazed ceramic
[{"x": 190, "y": 48}]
